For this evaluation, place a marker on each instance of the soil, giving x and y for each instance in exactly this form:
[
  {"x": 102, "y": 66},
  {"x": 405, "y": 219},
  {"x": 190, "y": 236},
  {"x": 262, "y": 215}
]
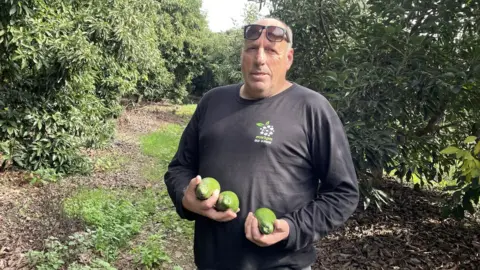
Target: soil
[{"x": 407, "y": 234}]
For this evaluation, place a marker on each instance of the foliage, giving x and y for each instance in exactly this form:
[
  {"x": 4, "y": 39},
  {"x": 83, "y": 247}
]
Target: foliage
[
  {"x": 465, "y": 195},
  {"x": 182, "y": 36},
  {"x": 163, "y": 143},
  {"x": 64, "y": 65},
  {"x": 403, "y": 76},
  {"x": 222, "y": 50},
  {"x": 151, "y": 253},
  {"x": 57, "y": 254},
  {"x": 114, "y": 216}
]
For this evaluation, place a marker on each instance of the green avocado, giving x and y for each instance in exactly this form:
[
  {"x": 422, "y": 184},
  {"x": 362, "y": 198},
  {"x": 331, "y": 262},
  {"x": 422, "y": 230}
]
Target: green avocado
[
  {"x": 227, "y": 200},
  {"x": 266, "y": 219},
  {"x": 206, "y": 188}
]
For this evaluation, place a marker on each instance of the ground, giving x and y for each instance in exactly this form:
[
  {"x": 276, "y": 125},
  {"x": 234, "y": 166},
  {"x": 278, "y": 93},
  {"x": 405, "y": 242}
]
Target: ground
[{"x": 139, "y": 227}]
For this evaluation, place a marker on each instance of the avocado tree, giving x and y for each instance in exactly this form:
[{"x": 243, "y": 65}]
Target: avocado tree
[
  {"x": 64, "y": 65},
  {"x": 404, "y": 77}
]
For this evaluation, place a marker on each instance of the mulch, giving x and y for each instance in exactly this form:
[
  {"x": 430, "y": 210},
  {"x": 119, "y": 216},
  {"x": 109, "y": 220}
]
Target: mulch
[{"x": 407, "y": 234}]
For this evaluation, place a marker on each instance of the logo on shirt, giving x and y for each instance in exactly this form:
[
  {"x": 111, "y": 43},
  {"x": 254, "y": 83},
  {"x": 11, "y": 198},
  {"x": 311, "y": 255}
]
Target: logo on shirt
[{"x": 266, "y": 133}]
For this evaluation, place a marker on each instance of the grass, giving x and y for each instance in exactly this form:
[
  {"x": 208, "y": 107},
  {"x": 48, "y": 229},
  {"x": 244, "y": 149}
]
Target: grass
[
  {"x": 110, "y": 162},
  {"x": 114, "y": 215},
  {"x": 163, "y": 143},
  {"x": 160, "y": 145},
  {"x": 154, "y": 172},
  {"x": 186, "y": 110}
]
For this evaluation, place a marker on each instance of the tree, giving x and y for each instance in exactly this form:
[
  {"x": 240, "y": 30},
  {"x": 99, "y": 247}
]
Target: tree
[
  {"x": 65, "y": 65},
  {"x": 404, "y": 76}
]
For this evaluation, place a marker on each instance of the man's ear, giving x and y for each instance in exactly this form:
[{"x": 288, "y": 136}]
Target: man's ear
[{"x": 289, "y": 58}]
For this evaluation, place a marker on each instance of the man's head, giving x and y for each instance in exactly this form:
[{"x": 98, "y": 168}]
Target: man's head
[{"x": 266, "y": 59}]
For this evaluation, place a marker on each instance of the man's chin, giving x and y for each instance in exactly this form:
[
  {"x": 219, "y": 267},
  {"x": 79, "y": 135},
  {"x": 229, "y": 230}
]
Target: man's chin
[
  {"x": 258, "y": 86},
  {"x": 257, "y": 90}
]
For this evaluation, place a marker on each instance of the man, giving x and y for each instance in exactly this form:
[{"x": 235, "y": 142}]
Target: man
[{"x": 274, "y": 143}]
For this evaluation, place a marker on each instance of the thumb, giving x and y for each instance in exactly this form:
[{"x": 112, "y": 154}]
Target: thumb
[{"x": 281, "y": 225}]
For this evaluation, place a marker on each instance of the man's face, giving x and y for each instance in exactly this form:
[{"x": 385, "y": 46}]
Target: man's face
[{"x": 265, "y": 63}]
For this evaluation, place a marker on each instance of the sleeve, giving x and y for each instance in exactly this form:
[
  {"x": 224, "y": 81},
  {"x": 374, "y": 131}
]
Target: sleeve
[
  {"x": 338, "y": 193},
  {"x": 184, "y": 166}
]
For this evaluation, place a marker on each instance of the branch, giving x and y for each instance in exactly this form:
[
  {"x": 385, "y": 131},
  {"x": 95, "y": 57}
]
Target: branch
[
  {"x": 432, "y": 123},
  {"x": 323, "y": 27}
]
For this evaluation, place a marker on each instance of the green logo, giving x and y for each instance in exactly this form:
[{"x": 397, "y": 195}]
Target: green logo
[{"x": 266, "y": 132}]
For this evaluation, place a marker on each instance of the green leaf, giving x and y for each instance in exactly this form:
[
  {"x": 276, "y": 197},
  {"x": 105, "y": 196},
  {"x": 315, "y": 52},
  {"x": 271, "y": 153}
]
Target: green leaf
[
  {"x": 450, "y": 150},
  {"x": 260, "y": 124},
  {"x": 449, "y": 75},
  {"x": 476, "y": 150},
  {"x": 332, "y": 75},
  {"x": 267, "y": 123},
  {"x": 470, "y": 139},
  {"x": 13, "y": 10}
]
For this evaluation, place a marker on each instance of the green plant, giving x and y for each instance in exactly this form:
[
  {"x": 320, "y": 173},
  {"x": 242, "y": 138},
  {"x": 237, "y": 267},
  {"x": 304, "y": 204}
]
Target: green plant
[
  {"x": 114, "y": 216},
  {"x": 151, "y": 253},
  {"x": 57, "y": 254},
  {"x": 111, "y": 162},
  {"x": 43, "y": 176},
  {"x": 465, "y": 195},
  {"x": 96, "y": 264}
]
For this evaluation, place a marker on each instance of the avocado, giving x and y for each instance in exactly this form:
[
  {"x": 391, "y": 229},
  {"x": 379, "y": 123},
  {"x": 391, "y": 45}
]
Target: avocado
[
  {"x": 266, "y": 219},
  {"x": 206, "y": 188},
  {"x": 227, "y": 200}
]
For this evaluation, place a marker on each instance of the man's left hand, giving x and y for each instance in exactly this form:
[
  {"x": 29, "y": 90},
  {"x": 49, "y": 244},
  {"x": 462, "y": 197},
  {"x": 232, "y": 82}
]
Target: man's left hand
[{"x": 253, "y": 234}]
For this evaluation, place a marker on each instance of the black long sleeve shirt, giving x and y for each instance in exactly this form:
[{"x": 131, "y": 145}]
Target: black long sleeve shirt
[{"x": 288, "y": 152}]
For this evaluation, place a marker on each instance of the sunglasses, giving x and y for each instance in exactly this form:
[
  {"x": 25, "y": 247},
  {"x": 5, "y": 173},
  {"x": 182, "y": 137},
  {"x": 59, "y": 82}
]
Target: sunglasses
[{"x": 274, "y": 33}]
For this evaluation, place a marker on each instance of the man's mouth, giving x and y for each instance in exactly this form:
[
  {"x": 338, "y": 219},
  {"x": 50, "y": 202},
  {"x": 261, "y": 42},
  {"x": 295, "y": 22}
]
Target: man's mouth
[{"x": 258, "y": 75}]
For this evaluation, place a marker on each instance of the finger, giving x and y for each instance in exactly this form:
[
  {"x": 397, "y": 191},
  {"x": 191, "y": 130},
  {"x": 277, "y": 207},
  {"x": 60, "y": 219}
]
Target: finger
[
  {"x": 248, "y": 226},
  {"x": 256, "y": 234},
  {"x": 210, "y": 202},
  {"x": 228, "y": 215},
  {"x": 198, "y": 179},
  {"x": 195, "y": 181},
  {"x": 232, "y": 214},
  {"x": 221, "y": 216},
  {"x": 278, "y": 225}
]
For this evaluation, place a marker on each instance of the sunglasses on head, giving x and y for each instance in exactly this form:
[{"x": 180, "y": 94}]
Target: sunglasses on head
[{"x": 274, "y": 33}]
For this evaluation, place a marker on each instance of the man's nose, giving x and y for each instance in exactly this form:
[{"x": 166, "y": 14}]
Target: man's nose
[{"x": 260, "y": 57}]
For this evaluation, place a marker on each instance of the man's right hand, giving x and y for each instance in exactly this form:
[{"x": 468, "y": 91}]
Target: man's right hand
[{"x": 205, "y": 208}]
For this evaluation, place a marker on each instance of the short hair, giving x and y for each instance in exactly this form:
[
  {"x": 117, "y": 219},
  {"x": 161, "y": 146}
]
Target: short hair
[{"x": 289, "y": 30}]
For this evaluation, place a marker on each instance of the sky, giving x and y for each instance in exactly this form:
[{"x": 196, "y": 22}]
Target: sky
[{"x": 221, "y": 12}]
